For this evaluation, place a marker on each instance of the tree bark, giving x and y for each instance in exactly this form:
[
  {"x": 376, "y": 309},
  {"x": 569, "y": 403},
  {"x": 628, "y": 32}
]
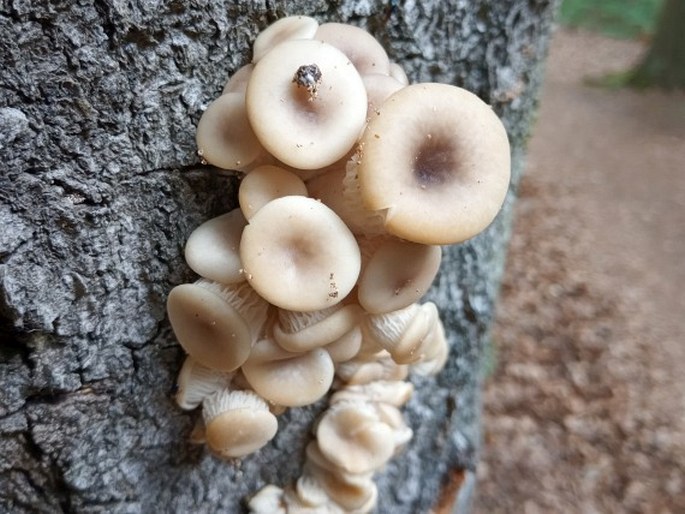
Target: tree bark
[
  {"x": 664, "y": 64},
  {"x": 100, "y": 186}
]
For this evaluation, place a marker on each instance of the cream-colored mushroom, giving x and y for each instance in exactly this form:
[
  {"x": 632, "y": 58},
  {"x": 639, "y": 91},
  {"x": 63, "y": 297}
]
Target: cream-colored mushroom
[
  {"x": 436, "y": 161},
  {"x": 224, "y": 135},
  {"x": 195, "y": 382},
  {"x": 306, "y": 119},
  {"x": 269, "y": 500},
  {"x": 266, "y": 183},
  {"x": 285, "y": 378},
  {"x": 303, "y": 331},
  {"x": 397, "y": 72},
  {"x": 364, "y": 371},
  {"x": 212, "y": 250},
  {"x": 436, "y": 351},
  {"x": 285, "y": 29},
  {"x": 378, "y": 89},
  {"x": 238, "y": 81},
  {"x": 299, "y": 255},
  {"x": 367, "y": 54},
  {"x": 391, "y": 392},
  {"x": 216, "y": 324},
  {"x": 351, "y": 435},
  {"x": 403, "y": 332},
  {"x": 346, "y": 347},
  {"x": 237, "y": 423},
  {"x": 398, "y": 274}
]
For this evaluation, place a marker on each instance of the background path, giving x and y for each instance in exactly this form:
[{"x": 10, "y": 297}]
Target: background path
[{"x": 585, "y": 411}]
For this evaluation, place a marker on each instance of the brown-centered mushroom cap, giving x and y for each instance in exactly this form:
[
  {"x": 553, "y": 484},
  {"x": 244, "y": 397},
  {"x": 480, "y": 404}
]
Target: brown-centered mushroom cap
[
  {"x": 398, "y": 274},
  {"x": 307, "y": 123},
  {"x": 238, "y": 423},
  {"x": 365, "y": 52},
  {"x": 212, "y": 250},
  {"x": 213, "y": 332},
  {"x": 266, "y": 183},
  {"x": 299, "y": 255},
  {"x": 290, "y": 379},
  {"x": 436, "y": 159},
  {"x": 224, "y": 135},
  {"x": 285, "y": 29}
]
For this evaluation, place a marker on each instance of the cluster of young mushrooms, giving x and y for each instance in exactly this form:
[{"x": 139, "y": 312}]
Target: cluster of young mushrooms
[{"x": 352, "y": 180}]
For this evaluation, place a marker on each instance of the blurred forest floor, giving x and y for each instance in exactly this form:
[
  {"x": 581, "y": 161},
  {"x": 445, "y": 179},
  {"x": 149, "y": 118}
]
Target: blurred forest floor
[{"x": 585, "y": 409}]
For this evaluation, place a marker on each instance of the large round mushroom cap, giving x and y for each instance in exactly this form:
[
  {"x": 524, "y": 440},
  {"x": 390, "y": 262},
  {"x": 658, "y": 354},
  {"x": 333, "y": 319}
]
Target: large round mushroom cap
[
  {"x": 299, "y": 255},
  {"x": 436, "y": 159},
  {"x": 208, "y": 328},
  {"x": 306, "y": 103}
]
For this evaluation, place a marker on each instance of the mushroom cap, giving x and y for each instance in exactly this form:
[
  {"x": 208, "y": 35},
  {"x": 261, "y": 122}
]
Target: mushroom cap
[
  {"x": 301, "y": 129},
  {"x": 436, "y": 159},
  {"x": 378, "y": 88},
  {"x": 266, "y": 183},
  {"x": 290, "y": 379},
  {"x": 224, "y": 136},
  {"x": 361, "y": 371},
  {"x": 365, "y": 52},
  {"x": 285, "y": 29},
  {"x": 391, "y": 392},
  {"x": 299, "y": 255},
  {"x": 212, "y": 250},
  {"x": 238, "y": 81},
  {"x": 398, "y": 274},
  {"x": 196, "y": 382},
  {"x": 397, "y": 72},
  {"x": 208, "y": 328},
  {"x": 346, "y": 346},
  {"x": 319, "y": 333},
  {"x": 238, "y": 423},
  {"x": 269, "y": 500},
  {"x": 351, "y": 436}
]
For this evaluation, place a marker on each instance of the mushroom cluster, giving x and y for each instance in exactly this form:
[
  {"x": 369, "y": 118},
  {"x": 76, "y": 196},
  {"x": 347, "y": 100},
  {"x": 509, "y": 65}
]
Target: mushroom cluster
[{"x": 352, "y": 179}]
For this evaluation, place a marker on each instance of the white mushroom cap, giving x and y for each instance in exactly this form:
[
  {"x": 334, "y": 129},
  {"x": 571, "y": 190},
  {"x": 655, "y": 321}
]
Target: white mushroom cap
[
  {"x": 378, "y": 89},
  {"x": 301, "y": 128},
  {"x": 285, "y": 29},
  {"x": 302, "y": 331},
  {"x": 362, "y": 371},
  {"x": 238, "y": 423},
  {"x": 398, "y": 274},
  {"x": 269, "y": 500},
  {"x": 436, "y": 352},
  {"x": 397, "y": 72},
  {"x": 436, "y": 160},
  {"x": 299, "y": 255},
  {"x": 216, "y": 324},
  {"x": 290, "y": 379},
  {"x": 351, "y": 436},
  {"x": 212, "y": 250},
  {"x": 345, "y": 347},
  {"x": 266, "y": 183},
  {"x": 391, "y": 392},
  {"x": 196, "y": 382},
  {"x": 238, "y": 81},
  {"x": 365, "y": 52},
  {"x": 224, "y": 135}
]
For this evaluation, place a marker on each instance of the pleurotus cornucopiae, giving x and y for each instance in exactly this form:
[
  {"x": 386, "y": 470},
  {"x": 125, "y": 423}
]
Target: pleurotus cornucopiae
[{"x": 352, "y": 180}]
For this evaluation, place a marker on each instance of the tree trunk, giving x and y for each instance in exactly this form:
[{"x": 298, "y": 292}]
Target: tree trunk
[
  {"x": 664, "y": 63},
  {"x": 101, "y": 186}
]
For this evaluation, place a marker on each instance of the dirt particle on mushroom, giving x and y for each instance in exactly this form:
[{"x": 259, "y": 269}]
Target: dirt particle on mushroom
[{"x": 308, "y": 76}]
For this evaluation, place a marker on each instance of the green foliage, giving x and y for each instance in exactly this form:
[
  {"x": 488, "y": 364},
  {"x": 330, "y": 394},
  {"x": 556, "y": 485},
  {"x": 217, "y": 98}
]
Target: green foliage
[{"x": 615, "y": 18}]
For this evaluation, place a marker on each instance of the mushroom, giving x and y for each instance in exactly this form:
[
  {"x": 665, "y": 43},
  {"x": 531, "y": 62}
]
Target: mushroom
[
  {"x": 237, "y": 423},
  {"x": 306, "y": 127},
  {"x": 436, "y": 351},
  {"x": 351, "y": 436},
  {"x": 212, "y": 250},
  {"x": 398, "y": 274},
  {"x": 224, "y": 135},
  {"x": 299, "y": 255},
  {"x": 403, "y": 332},
  {"x": 378, "y": 88},
  {"x": 345, "y": 347},
  {"x": 285, "y": 378},
  {"x": 238, "y": 81},
  {"x": 269, "y": 500},
  {"x": 195, "y": 382},
  {"x": 303, "y": 331},
  {"x": 285, "y": 29},
  {"x": 266, "y": 183},
  {"x": 216, "y": 324},
  {"x": 397, "y": 72},
  {"x": 390, "y": 392},
  {"x": 436, "y": 161},
  {"x": 367, "y": 54}
]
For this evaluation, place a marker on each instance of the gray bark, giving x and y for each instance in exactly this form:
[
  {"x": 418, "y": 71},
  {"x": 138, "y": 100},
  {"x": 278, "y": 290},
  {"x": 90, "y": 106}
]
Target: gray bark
[{"x": 99, "y": 188}]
